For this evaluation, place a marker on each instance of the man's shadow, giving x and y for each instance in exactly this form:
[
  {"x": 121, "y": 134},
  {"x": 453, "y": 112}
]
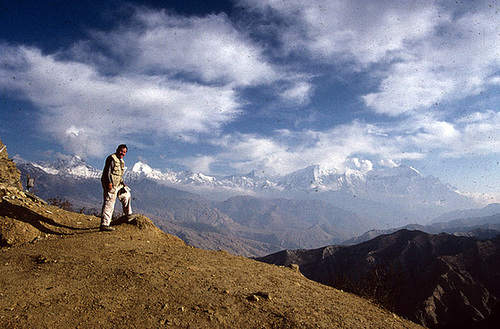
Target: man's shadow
[{"x": 30, "y": 217}]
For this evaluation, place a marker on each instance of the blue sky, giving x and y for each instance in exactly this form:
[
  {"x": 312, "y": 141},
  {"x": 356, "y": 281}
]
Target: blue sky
[{"x": 224, "y": 87}]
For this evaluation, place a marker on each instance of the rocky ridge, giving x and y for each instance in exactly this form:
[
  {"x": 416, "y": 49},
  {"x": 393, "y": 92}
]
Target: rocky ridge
[
  {"x": 9, "y": 175},
  {"x": 440, "y": 281},
  {"x": 58, "y": 270}
]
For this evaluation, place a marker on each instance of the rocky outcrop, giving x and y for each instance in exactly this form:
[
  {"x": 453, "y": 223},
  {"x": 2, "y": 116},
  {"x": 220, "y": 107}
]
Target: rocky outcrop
[
  {"x": 15, "y": 226},
  {"x": 10, "y": 176},
  {"x": 436, "y": 280}
]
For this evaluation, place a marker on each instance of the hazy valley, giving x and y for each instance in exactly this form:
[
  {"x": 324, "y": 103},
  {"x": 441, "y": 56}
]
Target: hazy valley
[{"x": 254, "y": 216}]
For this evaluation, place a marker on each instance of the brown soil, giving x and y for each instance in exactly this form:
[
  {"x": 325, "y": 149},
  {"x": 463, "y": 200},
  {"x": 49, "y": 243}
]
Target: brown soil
[{"x": 74, "y": 276}]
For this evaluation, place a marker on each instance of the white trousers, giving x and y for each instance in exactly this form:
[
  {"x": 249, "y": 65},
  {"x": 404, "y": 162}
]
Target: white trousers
[{"x": 108, "y": 205}]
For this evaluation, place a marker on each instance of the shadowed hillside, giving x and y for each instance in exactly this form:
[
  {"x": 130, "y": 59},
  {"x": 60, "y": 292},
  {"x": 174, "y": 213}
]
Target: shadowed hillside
[
  {"x": 58, "y": 270},
  {"x": 441, "y": 281}
]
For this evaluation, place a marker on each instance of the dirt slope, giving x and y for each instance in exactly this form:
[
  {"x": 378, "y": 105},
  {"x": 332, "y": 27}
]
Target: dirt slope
[
  {"x": 58, "y": 271},
  {"x": 140, "y": 277}
]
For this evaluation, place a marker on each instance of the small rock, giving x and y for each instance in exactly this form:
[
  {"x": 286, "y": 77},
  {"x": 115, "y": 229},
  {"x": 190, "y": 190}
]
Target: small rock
[
  {"x": 253, "y": 298},
  {"x": 264, "y": 294}
]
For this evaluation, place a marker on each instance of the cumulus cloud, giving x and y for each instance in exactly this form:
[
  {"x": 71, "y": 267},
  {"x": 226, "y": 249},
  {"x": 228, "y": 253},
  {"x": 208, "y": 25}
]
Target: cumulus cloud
[
  {"x": 299, "y": 93},
  {"x": 460, "y": 60},
  {"x": 428, "y": 51},
  {"x": 481, "y": 135},
  {"x": 85, "y": 110},
  {"x": 159, "y": 75},
  {"x": 208, "y": 49},
  {"x": 198, "y": 164},
  {"x": 363, "y": 165},
  {"x": 350, "y": 30}
]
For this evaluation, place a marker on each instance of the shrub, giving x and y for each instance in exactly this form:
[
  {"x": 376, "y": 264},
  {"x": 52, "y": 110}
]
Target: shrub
[{"x": 61, "y": 203}]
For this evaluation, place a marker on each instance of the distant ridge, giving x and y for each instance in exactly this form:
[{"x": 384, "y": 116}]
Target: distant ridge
[{"x": 460, "y": 223}]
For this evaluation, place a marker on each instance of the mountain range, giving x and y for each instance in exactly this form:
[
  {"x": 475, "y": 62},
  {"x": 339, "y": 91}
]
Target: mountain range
[
  {"x": 481, "y": 223},
  {"x": 255, "y": 215}
]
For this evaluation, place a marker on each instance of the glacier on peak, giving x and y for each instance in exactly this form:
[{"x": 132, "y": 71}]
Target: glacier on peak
[
  {"x": 378, "y": 183},
  {"x": 401, "y": 170},
  {"x": 140, "y": 167},
  {"x": 73, "y": 166},
  {"x": 48, "y": 170},
  {"x": 320, "y": 178},
  {"x": 142, "y": 170}
]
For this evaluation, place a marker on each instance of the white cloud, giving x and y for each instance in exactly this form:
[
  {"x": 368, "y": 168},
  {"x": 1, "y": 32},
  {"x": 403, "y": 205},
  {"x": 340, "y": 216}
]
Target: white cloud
[
  {"x": 206, "y": 48},
  {"x": 388, "y": 163},
  {"x": 363, "y": 165},
  {"x": 459, "y": 60},
  {"x": 359, "y": 145},
  {"x": 198, "y": 164},
  {"x": 410, "y": 86},
  {"x": 161, "y": 75},
  {"x": 427, "y": 51},
  {"x": 363, "y": 31},
  {"x": 430, "y": 134},
  {"x": 299, "y": 93},
  {"x": 481, "y": 135},
  {"x": 87, "y": 112}
]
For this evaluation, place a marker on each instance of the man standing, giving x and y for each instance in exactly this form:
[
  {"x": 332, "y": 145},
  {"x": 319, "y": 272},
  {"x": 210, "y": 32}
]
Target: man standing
[
  {"x": 113, "y": 186},
  {"x": 30, "y": 182}
]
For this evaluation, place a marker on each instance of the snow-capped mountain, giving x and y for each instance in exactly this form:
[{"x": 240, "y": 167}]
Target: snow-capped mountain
[
  {"x": 142, "y": 170},
  {"x": 406, "y": 181},
  {"x": 320, "y": 179},
  {"x": 402, "y": 181},
  {"x": 400, "y": 192},
  {"x": 69, "y": 165},
  {"x": 187, "y": 178}
]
